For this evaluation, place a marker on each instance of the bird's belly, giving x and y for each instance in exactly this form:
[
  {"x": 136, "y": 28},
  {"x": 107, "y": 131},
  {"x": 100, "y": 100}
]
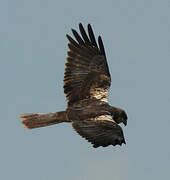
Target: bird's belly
[{"x": 89, "y": 114}]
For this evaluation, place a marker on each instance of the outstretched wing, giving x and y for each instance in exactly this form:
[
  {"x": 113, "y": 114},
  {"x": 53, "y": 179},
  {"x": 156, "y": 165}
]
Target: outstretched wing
[
  {"x": 100, "y": 132},
  {"x": 86, "y": 73}
]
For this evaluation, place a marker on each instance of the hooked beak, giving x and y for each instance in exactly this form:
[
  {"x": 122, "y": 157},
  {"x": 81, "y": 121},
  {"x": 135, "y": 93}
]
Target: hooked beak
[{"x": 124, "y": 121}]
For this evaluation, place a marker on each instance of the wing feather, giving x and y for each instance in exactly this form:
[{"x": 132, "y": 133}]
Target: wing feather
[
  {"x": 83, "y": 33},
  {"x": 78, "y": 38},
  {"x": 101, "y": 46},
  {"x": 91, "y": 35},
  {"x": 72, "y": 41},
  {"x": 100, "y": 132},
  {"x": 86, "y": 67}
]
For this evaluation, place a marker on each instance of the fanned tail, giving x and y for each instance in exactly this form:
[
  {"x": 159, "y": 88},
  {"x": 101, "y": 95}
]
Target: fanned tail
[{"x": 37, "y": 120}]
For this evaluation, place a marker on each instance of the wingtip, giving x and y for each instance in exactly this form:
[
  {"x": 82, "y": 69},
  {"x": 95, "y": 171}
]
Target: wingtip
[
  {"x": 67, "y": 36},
  {"x": 73, "y": 30},
  {"x": 80, "y": 24},
  {"x": 81, "y": 27},
  {"x": 89, "y": 25},
  {"x": 99, "y": 38}
]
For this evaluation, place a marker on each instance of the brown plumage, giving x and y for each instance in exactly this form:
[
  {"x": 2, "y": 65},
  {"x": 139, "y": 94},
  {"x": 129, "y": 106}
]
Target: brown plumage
[{"x": 86, "y": 84}]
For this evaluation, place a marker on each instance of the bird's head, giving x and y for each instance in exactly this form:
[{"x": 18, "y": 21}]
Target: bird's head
[{"x": 120, "y": 116}]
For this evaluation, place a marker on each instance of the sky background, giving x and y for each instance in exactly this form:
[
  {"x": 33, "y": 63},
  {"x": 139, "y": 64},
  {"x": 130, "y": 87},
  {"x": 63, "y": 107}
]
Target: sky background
[{"x": 33, "y": 48}]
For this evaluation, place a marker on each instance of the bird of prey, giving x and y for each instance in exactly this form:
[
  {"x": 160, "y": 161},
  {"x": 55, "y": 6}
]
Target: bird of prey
[{"x": 86, "y": 83}]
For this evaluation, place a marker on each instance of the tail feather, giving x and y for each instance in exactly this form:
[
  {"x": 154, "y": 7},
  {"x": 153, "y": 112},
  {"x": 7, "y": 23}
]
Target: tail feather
[{"x": 37, "y": 120}]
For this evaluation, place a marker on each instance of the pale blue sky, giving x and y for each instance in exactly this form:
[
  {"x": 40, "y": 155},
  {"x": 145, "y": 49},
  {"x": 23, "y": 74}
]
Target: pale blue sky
[{"x": 33, "y": 47}]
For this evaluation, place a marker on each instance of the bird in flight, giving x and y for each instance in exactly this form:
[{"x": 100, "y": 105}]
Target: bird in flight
[{"x": 86, "y": 83}]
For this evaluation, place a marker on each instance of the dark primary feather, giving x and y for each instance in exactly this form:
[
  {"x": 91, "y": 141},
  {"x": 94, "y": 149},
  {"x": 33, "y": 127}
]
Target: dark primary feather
[
  {"x": 83, "y": 33},
  {"x": 101, "y": 45},
  {"x": 78, "y": 38},
  {"x": 72, "y": 41},
  {"x": 91, "y": 35},
  {"x": 85, "y": 61},
  {"x": 100, "y": 132}
]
